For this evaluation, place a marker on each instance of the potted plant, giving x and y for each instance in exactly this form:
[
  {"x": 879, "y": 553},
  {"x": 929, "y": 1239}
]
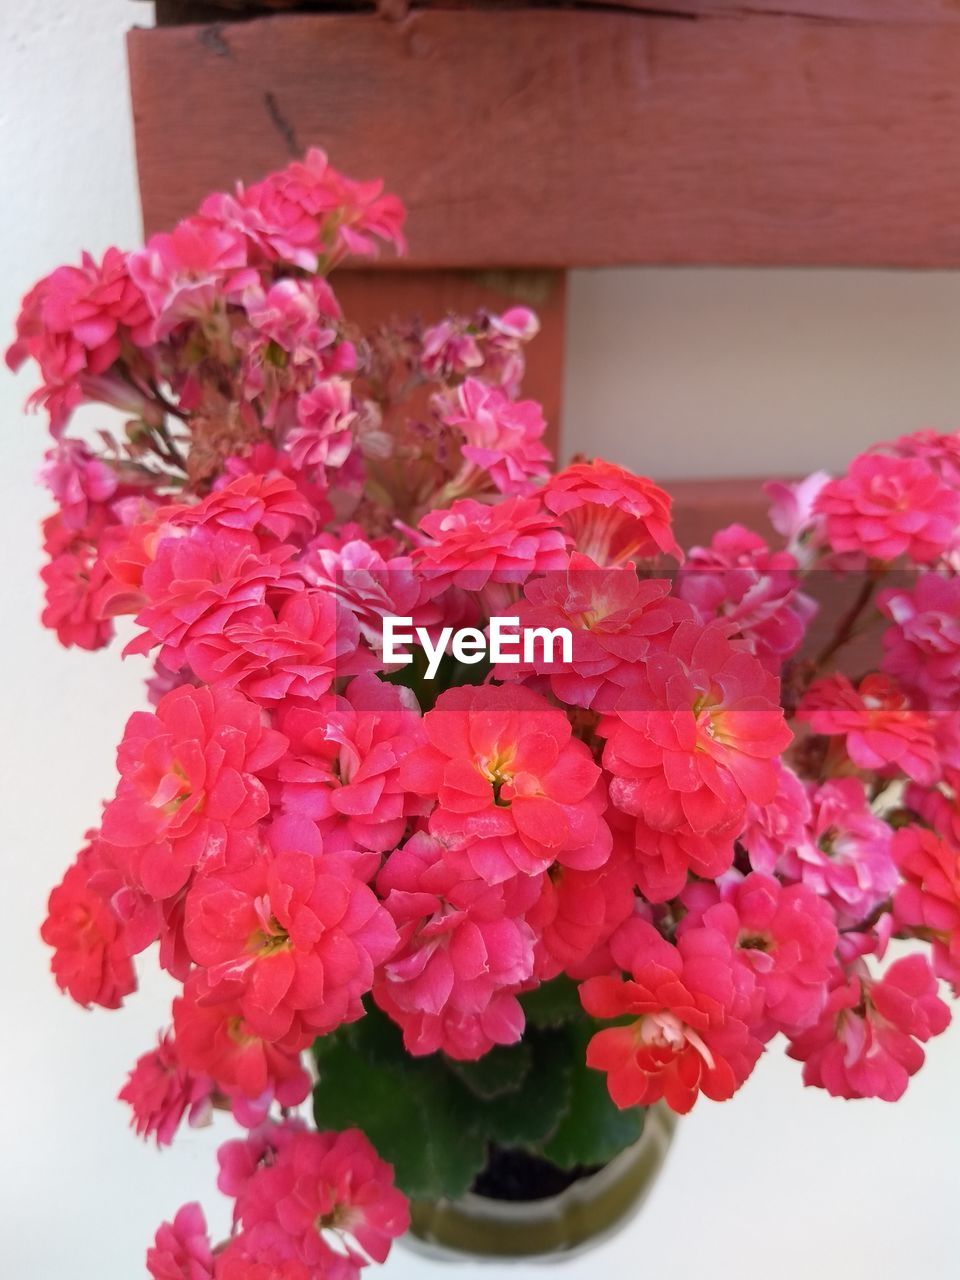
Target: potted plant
[{"x": 469, "y": 807}]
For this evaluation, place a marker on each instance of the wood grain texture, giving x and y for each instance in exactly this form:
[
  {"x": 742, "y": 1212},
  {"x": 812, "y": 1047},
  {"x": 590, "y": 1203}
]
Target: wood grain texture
[
  {"x": 564, "y": 138},
  {"x": 372, "y": 297}
]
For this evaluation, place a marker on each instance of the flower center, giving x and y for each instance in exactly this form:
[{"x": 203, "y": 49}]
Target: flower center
[
  {"x": 753, "y": 942},
  {"x": 497, "y": 771},
  {"x": 666, "y": 1031}
]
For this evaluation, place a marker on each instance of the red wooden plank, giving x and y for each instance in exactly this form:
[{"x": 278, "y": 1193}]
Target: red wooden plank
[{"x": 558, "y": 138}]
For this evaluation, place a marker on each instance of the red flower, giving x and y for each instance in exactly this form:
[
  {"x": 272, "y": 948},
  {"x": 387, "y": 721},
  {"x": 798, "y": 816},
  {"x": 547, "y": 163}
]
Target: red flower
[
  {"x": 756, "y": 590},
  {"x": 473, "y": 546},
  {"x": 342, "y": 771},
  {"x": 203, "y": 581},
  {"x": 881, "y": 730},
  {"x": 269, "y": 506},
  {"x": 611, "y": 615},
  {"x": 189, "y": 779},
  {"x": 293, "y": 652},
  {"x": 578, "y": 911},
  {"x": 465, "y": 951},
  {"x": 160, "y": 1092},
  {"x": 688, "y": 1035},
  {"x": 611, "y": 515},
  {"x": 691, "y": 744},
  {"x": 785, "y": 934},
  {"x": 75, "y": 579},
  {"x": 91, "y": 960},
  {"x": 508, "y": 774},
  {"x": 884, "y": 508},
  {"x": 214, "y": 1040},
  {"x": 929, "y": 897},
  {"x": 865, "y": 1044},
  {"x": 327, "y": 1197},
  {"x": 294, "y": 939}
]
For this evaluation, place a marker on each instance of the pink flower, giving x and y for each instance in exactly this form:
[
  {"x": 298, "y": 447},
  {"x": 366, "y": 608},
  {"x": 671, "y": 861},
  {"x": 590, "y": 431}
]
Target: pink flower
[
  {"x": 342, "y": 771},
  {"x": 293, "y": 652},
  {"x": 577, "y": 912},
  {"x": 612, "y": 516},
  {"x": 330, "y": 1196},
  {"x": 881, "y": 730},
  {"x": 79, "y": 482},
  {"x": 297, "y": 315},
  {"x": 326, "y": 416},
  {"x": 491, "y": 346},
  {"x": 756, "y": 590},
  {"x": 267, "y": 505},
  {"x": 77, "y": 583},
  {"x": 266, "y": 1254},
  {"x": 464, "y": 952},
  {"x": 785, "y": 934},
  {"x": 611, "y": 615},
  {"x": 265, "y": 460},
  {"x": 793, "y": 514},
  {"x": 182, "y": 1250},
  {"x": 865, "y": 1044},
  {"x": 922, "y": 647},
  {"x": 160, "y": 1092},
  {"x": 885, "y": 508},
  {"x": 773, "y": 830},
  {"x": 213, "y": 1039},
  {"x": 74, "y": 324},
  {"x": 843, "y": 854},
  {"x": 687, "y": 1032},
  {"x": 187, "y": 273},
  {"x": 939, "y": 806},
  {"x": 371, "y": 585},
  {"x": 91, "y": 961},
  {"x": 511, "y": 782},
  {"x": 199, "y": 583},
  {"x": 293, "y": 938},
  {"x": 691, "y": 744},
  {"x": 449, "y": 350},
  {"x": 189, "y": 778},
  {"x": 501, "y": 437},
  {"x": 308, "y": 210},
  {"x": 929, "y": 897},
  {"x": 942, "y": 452},
  {"x": 473, "y": 545}
]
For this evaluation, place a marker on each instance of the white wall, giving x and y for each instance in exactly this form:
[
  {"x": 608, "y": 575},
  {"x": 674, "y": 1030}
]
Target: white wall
[
  {"x": 697, "y": 372},
  {"x": 672, "y": 371}
]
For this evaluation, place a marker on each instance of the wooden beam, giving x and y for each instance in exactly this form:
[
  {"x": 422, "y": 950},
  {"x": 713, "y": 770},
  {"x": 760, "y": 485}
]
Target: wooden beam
[{"x": 524, "y": 138}]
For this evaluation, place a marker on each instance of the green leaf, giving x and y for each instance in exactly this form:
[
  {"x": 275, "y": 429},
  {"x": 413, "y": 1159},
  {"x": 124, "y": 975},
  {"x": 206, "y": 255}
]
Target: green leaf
[
  {"x": 553, "y": 1003},
  {"x": 593, "y": 1130},
  {"x": 416, "y": 1113},
  {"x": 449, "y": 673},
  {"x": 501, "y": 1071},
  {"x": 529, "y": 1116}
]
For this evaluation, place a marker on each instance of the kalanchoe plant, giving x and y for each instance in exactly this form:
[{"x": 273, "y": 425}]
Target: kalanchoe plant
[{"x": 512, "y": 905}]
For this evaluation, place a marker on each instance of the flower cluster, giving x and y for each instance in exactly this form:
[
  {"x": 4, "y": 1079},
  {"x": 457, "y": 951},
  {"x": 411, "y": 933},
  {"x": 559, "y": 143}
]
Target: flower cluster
[{"x": 708, "y": 827}]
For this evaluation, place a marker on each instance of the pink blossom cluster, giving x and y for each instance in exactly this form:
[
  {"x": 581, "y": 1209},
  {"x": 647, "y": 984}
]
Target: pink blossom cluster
[{"x": 712, "y": 831}]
